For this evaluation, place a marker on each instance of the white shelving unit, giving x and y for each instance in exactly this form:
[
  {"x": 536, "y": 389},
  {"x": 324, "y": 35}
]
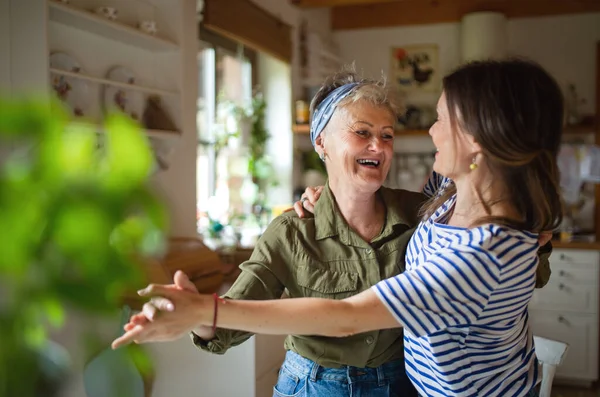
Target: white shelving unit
[
  {"x": 105, "y": 43},
  {"x": 159, "y": 134},
  {"x": 99, "y": 80},
  {"x": 96, "y": 24}
]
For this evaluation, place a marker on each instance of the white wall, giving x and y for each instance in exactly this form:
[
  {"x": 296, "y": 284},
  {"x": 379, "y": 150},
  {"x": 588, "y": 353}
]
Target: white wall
[
  {"x": 371, "y": 48},
  {"x": 178, "y": 183},
  {"x": 28, "y": 47},
  {"x": 275, "y": 81},
  {"x": 4, "y": 47},
  {"x": 565, "y": 45}
]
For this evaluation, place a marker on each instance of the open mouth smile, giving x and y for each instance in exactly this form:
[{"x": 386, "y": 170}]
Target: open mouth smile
[{"x": 369, "y": 163}]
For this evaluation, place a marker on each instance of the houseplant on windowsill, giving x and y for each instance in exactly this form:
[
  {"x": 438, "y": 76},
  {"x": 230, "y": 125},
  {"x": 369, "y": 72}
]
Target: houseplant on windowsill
[
  {"x": 256, "y": 136},
  {"x": 73, "y": 221}
]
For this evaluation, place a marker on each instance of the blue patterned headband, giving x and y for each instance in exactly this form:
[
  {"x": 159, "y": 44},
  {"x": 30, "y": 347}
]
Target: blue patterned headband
[{"x": 325, "y": 110}]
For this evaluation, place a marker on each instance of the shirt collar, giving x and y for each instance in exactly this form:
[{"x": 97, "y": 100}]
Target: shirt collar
[{"x": 329, "y": 221}]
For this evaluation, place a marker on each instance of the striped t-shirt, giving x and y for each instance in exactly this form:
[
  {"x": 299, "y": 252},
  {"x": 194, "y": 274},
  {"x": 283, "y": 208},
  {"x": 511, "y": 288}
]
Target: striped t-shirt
[{"x": 463, "y": 304}]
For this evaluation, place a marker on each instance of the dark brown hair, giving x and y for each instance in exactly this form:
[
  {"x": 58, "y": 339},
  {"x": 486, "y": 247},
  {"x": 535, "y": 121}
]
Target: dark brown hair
[{"x": 514, "y": 110}]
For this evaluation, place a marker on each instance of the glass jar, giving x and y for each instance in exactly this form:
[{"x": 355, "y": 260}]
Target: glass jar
[{"x": 302, "y": 112}]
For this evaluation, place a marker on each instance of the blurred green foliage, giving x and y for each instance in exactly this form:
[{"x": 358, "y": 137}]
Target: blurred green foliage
[{"x": 75, "y": 215}]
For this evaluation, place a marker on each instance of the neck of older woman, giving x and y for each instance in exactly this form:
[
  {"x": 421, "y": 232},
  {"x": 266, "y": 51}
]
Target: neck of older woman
[
  {"x": 363, "y": 210},
  {"x": 478, "y": 197}
]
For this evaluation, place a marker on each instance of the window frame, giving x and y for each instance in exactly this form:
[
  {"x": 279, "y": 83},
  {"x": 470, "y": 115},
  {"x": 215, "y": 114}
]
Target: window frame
[{"x": 209, "y": 39}]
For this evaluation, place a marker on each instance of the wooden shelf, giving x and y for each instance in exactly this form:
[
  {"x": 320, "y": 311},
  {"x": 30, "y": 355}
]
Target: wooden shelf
[
  {"x": 584, "y": 245},
  {"x": 160, "y": 134},
  {"x": 90, "y": 22},
  {"x": 100, "y": 80},
  {"x": 301, "y": 129},
  {"x": 400, "y": 133},
  {"x": 579, "y": 129}
]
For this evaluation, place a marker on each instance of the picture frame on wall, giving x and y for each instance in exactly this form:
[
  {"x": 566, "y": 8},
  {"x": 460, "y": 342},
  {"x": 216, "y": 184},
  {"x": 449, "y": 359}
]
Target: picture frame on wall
[{"x": 415, "y": 67}]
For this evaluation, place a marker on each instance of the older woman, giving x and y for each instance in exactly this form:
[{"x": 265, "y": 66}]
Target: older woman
[
  {"x": 356, "y": 238},
  {"x": 471, "y": 264}
]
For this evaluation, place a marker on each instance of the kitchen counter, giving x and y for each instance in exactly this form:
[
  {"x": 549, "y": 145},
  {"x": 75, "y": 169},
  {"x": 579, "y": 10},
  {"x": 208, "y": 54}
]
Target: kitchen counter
[{"x": 580, "y": 245}]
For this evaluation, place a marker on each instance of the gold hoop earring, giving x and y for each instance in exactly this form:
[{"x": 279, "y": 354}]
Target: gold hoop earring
[{"x": 473, "y": 165}]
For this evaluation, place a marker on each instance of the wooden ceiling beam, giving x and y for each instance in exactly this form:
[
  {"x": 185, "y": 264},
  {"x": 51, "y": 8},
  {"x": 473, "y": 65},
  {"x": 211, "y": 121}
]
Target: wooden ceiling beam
[
  {"x": 245, "y": 22},
  {"x": 419, "y": 12},
  {"x": 336, "y": 3}
]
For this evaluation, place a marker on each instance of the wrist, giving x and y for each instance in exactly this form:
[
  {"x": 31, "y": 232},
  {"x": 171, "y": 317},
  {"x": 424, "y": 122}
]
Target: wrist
[{"x": 204, "y": 313}]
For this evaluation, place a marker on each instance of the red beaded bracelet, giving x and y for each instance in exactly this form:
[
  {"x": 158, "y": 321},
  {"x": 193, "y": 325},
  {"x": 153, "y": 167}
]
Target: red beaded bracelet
[{"x": 217, "y": 300}]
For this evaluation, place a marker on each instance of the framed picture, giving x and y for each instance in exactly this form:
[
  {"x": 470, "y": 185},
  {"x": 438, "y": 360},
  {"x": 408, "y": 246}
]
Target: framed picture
[{"x": 415, "y": 68}]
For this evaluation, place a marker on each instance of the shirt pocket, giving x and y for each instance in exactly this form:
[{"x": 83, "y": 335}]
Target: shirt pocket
[{"x": 318, "y": 282}]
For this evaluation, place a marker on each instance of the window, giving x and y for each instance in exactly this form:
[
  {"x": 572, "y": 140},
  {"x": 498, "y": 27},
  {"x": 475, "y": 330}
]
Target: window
[{"x": 225, "y": 81}]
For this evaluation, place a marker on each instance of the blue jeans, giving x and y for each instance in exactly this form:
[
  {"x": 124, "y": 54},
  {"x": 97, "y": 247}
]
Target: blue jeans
[{"x": 300, "y": 376}]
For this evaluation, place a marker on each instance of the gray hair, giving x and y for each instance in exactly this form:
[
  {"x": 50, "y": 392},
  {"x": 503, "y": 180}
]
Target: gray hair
[{"x": 375, "y": 92}]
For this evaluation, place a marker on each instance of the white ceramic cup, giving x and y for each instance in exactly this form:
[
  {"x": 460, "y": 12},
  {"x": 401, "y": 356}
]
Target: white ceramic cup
[
  {"x": 108, "y": 12},
  {"x": 148, "y": 27}
]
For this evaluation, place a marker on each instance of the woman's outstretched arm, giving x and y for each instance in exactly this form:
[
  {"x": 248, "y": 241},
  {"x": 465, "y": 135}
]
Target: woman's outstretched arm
[{"x": 302, "y": 316}]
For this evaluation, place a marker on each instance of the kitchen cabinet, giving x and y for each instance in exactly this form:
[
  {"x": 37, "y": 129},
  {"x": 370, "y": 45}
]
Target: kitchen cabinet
[{"x": 566, "y": 309}]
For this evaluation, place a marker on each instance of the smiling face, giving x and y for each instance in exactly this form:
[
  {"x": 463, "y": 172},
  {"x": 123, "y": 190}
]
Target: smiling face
[
  {"x": 358, "y": 143},
  {"x": 455, "y": 149}
]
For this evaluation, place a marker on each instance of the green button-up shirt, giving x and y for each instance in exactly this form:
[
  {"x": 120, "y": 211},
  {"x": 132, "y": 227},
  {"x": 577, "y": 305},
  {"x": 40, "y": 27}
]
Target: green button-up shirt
[{"x": 321, "y": 256}]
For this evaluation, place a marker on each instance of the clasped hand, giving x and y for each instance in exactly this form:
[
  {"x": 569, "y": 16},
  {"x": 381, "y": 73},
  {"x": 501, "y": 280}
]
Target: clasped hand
[{"x": 182, "y": 309}]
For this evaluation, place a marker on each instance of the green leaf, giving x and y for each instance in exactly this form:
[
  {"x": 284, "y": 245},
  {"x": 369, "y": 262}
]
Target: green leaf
[
  {"x": 30, "y": 117},
  {"x": 72, "y": 153},
  {"x": 35, "y": 335},
  {"x": 141, "y": 359},
  {"x": 54, "y": 312},
  {"x": 129, "y": 159},
  {"x": 81, "y": 227},
  {"x": 90, "y": 297}
]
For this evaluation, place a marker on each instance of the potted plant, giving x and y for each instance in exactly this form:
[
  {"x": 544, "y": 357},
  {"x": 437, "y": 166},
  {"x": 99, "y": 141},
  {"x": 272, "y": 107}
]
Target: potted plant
[
  {"x": 74, "y": 221},
  {"x": 255, "y": 135}
]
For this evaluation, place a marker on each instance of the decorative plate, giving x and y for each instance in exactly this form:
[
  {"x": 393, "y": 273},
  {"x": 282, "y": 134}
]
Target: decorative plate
[
  {"x": 72, "y": 91},
  {"x": 128, "y": 101}
]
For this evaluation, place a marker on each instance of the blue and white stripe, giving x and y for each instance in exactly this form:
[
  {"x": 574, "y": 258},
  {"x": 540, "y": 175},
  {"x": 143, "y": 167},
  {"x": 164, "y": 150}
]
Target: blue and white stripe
[{"x": 463, "y": 304}]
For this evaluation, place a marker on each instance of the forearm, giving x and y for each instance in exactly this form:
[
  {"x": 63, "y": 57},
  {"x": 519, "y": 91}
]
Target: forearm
[
  {"x": 254, "y": 283},
  {"x": 305, "y": 316},
  {"x": 302, "y": 316}
]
